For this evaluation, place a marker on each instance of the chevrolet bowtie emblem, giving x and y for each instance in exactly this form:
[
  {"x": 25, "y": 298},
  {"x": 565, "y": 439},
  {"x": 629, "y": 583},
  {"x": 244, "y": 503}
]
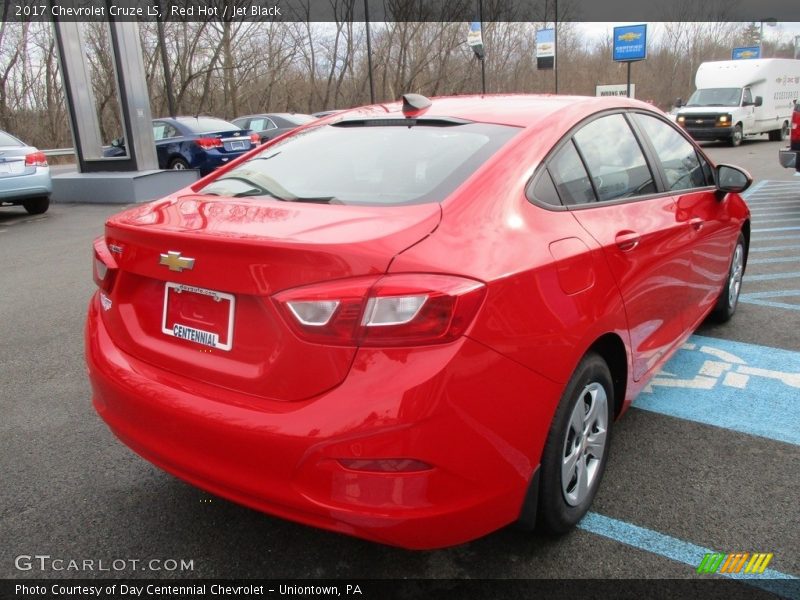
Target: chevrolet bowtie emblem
[{"x": 175, "y": 261}]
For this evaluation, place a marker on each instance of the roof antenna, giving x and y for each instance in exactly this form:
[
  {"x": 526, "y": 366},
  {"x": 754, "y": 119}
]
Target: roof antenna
[{"x": 414, "y": 104}]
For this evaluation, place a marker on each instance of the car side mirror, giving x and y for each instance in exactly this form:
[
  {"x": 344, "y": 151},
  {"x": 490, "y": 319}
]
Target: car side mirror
[
  {"x": 678, "y": 102},
  {"x": 116, "y": 143},
  {"x": 759, "y": 101},
  {"x": 732, "y": 179}
]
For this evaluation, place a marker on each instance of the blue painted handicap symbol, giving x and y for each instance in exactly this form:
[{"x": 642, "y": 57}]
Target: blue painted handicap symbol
[{"x": 743, "y": 387}]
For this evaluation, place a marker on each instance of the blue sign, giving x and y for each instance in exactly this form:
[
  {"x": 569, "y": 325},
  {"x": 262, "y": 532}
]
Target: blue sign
[
  {"x": 745, "y": 53},
  {"x": 630, "y": 43}
]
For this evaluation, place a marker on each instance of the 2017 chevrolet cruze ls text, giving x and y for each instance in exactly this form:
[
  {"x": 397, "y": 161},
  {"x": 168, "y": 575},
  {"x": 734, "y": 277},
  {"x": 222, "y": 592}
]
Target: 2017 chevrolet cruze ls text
[{"x": 417, "y": 322}]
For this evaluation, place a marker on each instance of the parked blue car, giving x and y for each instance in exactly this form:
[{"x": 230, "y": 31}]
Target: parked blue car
[{"x": 203, "y": 143}]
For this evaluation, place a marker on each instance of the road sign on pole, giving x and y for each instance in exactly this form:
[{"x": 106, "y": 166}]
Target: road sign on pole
[{"x": 630, "y": 45}]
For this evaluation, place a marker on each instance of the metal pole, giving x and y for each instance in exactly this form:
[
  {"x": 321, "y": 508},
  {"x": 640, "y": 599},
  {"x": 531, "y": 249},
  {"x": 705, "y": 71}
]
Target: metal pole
[
  {"x": 369, "y": 54},
  {"x": 483, "y": 58},
  {"x": 629, "y": 79},
  {"x": 761, "y": 41},
  {"x": 165, "y": 66},
  {"x": 555, "y": 44}
]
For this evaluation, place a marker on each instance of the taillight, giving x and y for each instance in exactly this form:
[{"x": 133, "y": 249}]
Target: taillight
[
  {"x": 207, "y": 143},
  {"x": 795, "y": 135},
  {"x": 255, "y": 138},
  {"x": 36, "y": 159},
  {"x": 393, "y": 310},
  {"x": 104, "y": 270}
]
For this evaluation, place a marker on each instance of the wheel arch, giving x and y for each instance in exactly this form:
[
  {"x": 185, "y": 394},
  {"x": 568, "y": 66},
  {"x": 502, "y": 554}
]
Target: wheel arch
[
  {"x": 746, "y": 234},
  {"x": 175, "y": 156},
  {"x": 611, "y": 349}
]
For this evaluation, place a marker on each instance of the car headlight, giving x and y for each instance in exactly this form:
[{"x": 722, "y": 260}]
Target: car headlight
[
  {"x": 723, "y": 118},
  {"x": 681, "y": 119}
]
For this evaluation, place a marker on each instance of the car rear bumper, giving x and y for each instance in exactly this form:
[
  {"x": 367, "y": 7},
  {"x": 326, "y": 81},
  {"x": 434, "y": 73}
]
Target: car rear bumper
[
  {"x": 477, "y": 418},
  {"x": 788, "y": 159},
  {"x": 213, "y": 159},
  {"x": 21, "y": 187}
]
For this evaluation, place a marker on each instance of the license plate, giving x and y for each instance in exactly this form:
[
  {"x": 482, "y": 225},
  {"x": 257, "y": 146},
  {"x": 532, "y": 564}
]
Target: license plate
[
  {"x": 5, "y": 168},
  {"x": 238, "y": 145},
  {"x": 198, "y": 315}
]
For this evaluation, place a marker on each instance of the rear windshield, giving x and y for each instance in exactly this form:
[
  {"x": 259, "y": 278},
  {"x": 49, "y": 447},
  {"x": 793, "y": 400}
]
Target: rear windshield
[
  {"x": 207, "y": 125},
  {"x": 7, "y": 140},
  {"x": 298, "y": 119},
  {"x": 370, "y": 165}
]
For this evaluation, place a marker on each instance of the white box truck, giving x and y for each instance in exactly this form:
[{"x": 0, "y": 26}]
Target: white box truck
[{"x": 737, "y": 98}]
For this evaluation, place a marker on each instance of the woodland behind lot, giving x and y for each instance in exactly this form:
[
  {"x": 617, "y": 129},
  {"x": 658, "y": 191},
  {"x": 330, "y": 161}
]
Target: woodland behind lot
[{"x": 228, "y": 69}]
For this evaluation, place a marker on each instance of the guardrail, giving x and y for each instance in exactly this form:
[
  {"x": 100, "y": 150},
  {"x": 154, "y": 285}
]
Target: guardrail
[{"x": 59, "y": 152}]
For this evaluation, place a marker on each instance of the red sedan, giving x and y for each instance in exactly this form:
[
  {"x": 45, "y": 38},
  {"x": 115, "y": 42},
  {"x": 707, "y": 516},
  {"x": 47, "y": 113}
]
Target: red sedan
[{"x": 414, "y": 323}]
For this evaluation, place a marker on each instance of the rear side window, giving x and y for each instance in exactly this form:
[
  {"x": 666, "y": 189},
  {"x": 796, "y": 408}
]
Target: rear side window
[
  {"x": 677, "y": 156},
  {"x": 544, "y": 190},
  {"x": 570, "y": 177},
  {"x": 261, "y": 124},
  {"x": 366, "y": 163},
  {"x": 614, "y": 159},
  {"x": 7, "y": 140}
]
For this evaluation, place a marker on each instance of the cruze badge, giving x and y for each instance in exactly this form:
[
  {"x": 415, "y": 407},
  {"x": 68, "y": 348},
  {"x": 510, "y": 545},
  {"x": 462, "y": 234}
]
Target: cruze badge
[{"x": 176, "y": 262}]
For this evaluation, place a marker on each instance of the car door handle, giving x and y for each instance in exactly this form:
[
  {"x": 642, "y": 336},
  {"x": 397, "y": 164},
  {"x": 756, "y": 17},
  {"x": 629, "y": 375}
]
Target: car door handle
[
  {"x": 697, "y": 223},
  {"x": 627, "y": 240}
]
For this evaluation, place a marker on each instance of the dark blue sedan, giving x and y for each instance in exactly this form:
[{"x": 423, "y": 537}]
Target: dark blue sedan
[{"x": 203, "y": 143}]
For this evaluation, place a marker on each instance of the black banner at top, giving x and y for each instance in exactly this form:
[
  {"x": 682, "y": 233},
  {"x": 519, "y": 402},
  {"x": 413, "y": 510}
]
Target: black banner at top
[{"x": 396, "y": 10}]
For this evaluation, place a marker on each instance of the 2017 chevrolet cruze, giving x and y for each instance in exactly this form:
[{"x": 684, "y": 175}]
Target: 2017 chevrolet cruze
[{"x": 414, "y": 323}]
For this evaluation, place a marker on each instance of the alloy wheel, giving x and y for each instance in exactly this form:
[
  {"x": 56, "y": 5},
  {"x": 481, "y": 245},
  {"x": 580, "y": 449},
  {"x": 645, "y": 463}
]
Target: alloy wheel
[
  {"x": 735, "y": 277},
  {"x": 584, "y": 444}
]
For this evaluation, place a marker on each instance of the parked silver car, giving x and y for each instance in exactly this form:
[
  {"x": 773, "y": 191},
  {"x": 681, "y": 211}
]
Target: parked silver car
[{"x": 24, "y": 175}]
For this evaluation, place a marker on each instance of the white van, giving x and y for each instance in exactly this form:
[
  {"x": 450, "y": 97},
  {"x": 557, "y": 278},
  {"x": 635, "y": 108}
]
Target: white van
[{"x": 737, "y": 98}]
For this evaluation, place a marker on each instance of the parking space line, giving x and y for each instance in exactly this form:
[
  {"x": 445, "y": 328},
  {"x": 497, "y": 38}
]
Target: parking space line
[
  {"x": 773, "y": 249},
  {"x": 784, "y": 237},
  {"x": 778, "y": 259},
  {"x": 754, "y": 299},
  {"x": 765, "y": 212},
  {"x": 755, "y": 188},
  {"x": 772, "y": 276},
  {"x": 731, "y": 385},
  {"x": 682, "y": 552},
  {"x": 768, "y": 229}
]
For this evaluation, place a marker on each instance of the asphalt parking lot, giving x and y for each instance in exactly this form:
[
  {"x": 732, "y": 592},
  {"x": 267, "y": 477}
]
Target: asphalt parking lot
[{"x": 707, "y": 460}]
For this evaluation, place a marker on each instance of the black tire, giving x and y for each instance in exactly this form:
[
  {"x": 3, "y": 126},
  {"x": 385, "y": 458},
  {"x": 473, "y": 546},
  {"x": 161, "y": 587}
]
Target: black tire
[
  {"x": 37, "y": 206},
  {"x": 178, "y": 163},
  {"x": 729, "y": 296},
  {"x": 557, "y": 512},
  {"x": 779, "y": 135},
  {"x": 737, "y": 136}
]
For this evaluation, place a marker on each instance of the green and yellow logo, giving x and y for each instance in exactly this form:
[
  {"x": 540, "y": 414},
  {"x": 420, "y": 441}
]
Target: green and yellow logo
[{"x": 717, "y": 562}]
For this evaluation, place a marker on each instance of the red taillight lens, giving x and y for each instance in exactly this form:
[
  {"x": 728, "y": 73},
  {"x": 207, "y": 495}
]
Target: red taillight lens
[
  {"x": 394, "y": 310},
  {"x": 207, "y": 143},
  {"x": 104, "y": 269},
  {"x": 255, "y": 138},
  {"x": 795, "y": 134},
  {"x": 36, "y": 159},
  {"x": 385, "y": 465}
]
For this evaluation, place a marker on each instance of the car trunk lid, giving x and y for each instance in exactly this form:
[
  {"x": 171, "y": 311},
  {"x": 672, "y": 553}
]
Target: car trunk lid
[{"x": 211, "y": 266}]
